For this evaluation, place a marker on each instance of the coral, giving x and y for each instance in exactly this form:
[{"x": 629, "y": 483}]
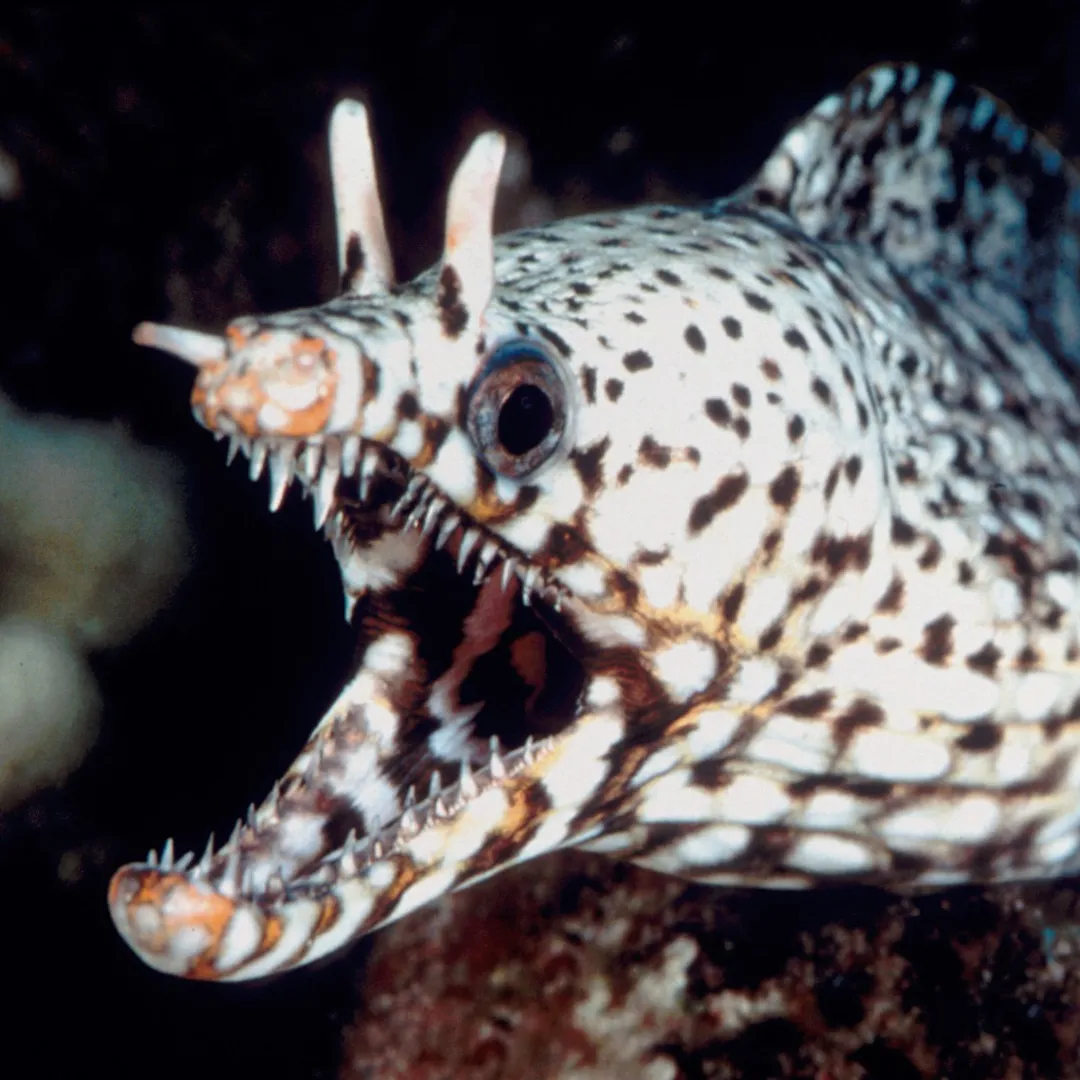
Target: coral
[
  {"x": 49, "y": 708},
  {"x": 577, "y": 968},
  {"x": 92, "y": 542}
]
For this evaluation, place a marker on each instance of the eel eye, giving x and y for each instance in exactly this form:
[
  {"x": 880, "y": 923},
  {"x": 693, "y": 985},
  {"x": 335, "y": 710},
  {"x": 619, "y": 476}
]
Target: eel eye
[{"x": 517, "y": 409}]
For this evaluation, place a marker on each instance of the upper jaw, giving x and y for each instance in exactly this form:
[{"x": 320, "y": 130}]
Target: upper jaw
[
  {"x": 348, "y": 473},
  {"x": 319, "y": 463}
]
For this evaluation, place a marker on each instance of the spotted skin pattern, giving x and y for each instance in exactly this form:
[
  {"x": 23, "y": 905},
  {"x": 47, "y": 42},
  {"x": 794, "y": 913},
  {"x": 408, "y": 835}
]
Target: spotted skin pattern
[{"x": 739, "y": 541}]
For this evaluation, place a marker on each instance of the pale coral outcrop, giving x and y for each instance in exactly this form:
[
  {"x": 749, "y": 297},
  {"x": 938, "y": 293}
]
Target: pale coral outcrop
[{"x": 93, "y": 540}]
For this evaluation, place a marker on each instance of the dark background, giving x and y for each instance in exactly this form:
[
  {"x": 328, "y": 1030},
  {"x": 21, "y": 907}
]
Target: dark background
[{"x": 184, "y": 149}]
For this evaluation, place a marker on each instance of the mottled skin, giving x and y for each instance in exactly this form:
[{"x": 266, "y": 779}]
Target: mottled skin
[{"x": 768, "y": 576}]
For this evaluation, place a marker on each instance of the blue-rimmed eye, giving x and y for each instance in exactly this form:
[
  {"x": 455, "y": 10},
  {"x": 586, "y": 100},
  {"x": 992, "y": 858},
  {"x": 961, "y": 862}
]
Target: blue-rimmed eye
[{"x": 517, "y": 409}]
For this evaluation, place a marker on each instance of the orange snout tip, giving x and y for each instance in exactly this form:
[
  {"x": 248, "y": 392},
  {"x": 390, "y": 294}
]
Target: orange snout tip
[{"x": 170, "y": 922}]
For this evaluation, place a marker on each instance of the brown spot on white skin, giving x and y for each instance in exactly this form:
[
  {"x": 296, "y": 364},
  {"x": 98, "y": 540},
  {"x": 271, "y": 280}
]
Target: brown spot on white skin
[{"x": 724, "y": 496}]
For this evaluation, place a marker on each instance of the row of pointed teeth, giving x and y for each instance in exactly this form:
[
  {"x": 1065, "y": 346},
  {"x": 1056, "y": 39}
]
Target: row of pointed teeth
[
  {"x": 424, "y": 508},
  {"x": 317, "y": 465},
  {"x": 440, "y": 804},
  {"x": 356, "y": 853}
]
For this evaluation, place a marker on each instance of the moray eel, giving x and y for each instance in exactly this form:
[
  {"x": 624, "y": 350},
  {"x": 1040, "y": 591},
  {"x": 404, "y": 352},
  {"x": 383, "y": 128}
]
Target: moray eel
[{"x": 740, "y": 541}]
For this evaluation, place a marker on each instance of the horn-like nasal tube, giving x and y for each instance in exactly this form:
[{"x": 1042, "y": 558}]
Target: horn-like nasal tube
[
  {"x": 364, "y": 257},
  {"x": 191, "y": 345}
]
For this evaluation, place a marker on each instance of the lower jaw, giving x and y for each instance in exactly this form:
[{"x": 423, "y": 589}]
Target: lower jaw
[{"x": 205, "y": 920}]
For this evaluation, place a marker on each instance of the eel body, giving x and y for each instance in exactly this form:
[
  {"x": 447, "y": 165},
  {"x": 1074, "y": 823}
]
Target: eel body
[{"x": 740, "y": 541}]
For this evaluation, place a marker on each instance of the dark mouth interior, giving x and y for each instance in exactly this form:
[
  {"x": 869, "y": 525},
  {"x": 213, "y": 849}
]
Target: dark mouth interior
[{"x": 525, "y": 682}]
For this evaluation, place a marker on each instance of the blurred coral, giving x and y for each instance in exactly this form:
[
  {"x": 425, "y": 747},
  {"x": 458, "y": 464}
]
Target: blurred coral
[
  {"x": 49, "y": 708},
  {"x": 93, "y": 540}
]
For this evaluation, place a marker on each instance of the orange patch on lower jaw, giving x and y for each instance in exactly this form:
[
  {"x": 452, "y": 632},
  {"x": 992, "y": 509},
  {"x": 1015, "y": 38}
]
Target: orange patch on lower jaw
[
  {"x": 153, "y": 909},
  {"x": 272, "y": 932},
  {"x": 328, "y": 915}
]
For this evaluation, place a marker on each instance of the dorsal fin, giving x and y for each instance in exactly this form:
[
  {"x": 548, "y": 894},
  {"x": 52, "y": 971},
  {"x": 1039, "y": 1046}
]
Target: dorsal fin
[{"x": 934, "y": 173}]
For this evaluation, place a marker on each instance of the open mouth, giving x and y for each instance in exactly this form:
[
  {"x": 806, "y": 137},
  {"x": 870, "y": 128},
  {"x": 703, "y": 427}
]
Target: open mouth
[
  {"x": 464, "y": 670},
  {"x": 438, "y": 763}
]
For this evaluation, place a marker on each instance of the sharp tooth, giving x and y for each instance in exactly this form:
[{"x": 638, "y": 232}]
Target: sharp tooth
[
  {"x": 468, "y": 542},
  {"x": 348, "y": 860},
  {"x": 271, "y": 807},
  {"x": 308, "y": 465},
  {"x": 184, "y": 862},
  {"x": 218, "y": 434},
  {"x": 435, "y": 786},
  {"x": 508, "y": 567},
  {"x": 527, "y": 754},
  {"x": 327, "y": 484},
  {"x": 369, "y": 466},
  {"x": 413, "y": 489},
  {"x": 467, "y": 782},
  {"x": 528, "y": 584},
  {"x": 203, "y": 867},
  {"x": 410, "y": 797},
  {"x": 229, "y": 883},
  {"x": 446, "y": 530},
  {"x": 378, "y": 848},
  {"x": 350, "y": 606},
  {"x": 282, "y": 465},
  {"x": 438, "y": 504},
  {"x": 496, "y": 765},
  {"x": 167, "y": 854},
  {"x": 409, "y": 824},
  {"x": 440, "y": 807},
  {"x": 415, "y": 514},
  {"x": 350, "y": 454},
  {"x": 234, "y": 449},
  {"x": 151, "y": 858},
  {"x": 259, "y": 453},
  {"x": 250, "y": 816},
  {"x": 324, "y": 494},
  {"x": 483, "y": 561}
]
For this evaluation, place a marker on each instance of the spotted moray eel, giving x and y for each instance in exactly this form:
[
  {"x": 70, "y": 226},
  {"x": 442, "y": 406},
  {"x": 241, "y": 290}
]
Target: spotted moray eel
[{"x": 738, "y": 541}]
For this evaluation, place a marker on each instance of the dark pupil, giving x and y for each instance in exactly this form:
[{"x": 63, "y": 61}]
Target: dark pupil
[{"x": 524, "y": 419}]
